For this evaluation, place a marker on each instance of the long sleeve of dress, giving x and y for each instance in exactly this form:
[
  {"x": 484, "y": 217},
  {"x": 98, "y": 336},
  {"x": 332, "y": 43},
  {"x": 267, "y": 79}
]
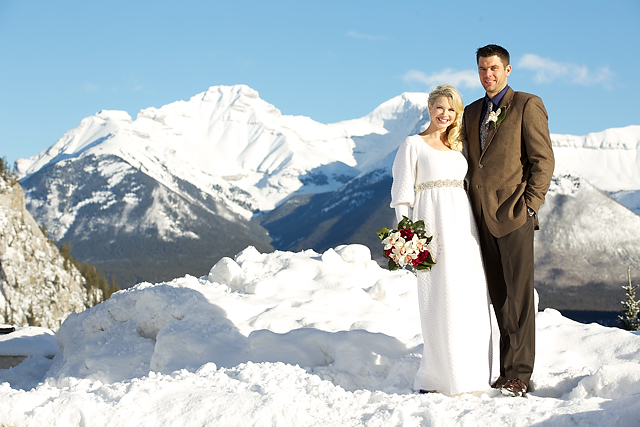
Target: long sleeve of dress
[
  {"x": 402, "y": 210},
  {"x": 404, "y": 175}
]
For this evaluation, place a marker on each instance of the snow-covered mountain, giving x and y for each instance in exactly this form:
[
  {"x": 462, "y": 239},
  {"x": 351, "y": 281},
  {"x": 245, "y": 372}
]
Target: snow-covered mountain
[
  {"x": 190, "y": 172},
  {"x": 203, "y": 173},
  {"x": 609, "y": 160},
  {"x": 231, "y": 145},
  {"x": 585, "y": 244},
  {"x": 578, "y": 217}
]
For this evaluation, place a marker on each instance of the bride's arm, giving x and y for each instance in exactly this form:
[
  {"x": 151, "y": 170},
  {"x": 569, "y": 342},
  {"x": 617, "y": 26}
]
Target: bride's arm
[
  {"x": 403, "y": 170},
  {"x": 401, "y": 210}
]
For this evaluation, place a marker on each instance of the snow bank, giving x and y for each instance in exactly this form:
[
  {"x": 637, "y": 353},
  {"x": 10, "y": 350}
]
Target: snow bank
[
  {"x": 300, "y": 339},
  {"x": 260, "y": 308}
]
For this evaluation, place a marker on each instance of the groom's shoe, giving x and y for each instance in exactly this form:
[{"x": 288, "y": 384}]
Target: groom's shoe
[
  {"x": 514, "y": 388},
  {"x": 498, "y": 384}
]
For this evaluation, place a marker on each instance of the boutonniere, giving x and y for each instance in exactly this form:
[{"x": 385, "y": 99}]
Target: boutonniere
[{"x": 497, "y": 116}]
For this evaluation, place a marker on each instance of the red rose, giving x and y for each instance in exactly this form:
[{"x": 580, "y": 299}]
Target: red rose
[
  {"x": 387, "y": 253},
  {"x": 422, "y": 256},
  {"x": 406, "y": 234}
]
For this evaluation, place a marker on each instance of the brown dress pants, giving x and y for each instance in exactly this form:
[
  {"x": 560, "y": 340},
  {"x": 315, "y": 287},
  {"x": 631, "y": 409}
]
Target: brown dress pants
[{"x": 508, "y": 262}]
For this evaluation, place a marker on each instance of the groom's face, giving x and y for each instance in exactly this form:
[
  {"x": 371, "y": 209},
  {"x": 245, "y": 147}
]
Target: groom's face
[{"x": 493, "y": 74}]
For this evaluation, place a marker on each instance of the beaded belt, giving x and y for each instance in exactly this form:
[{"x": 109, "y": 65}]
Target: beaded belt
[{"x": 456, "y": 183}]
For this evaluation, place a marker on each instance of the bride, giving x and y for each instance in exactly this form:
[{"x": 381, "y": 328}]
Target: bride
[{"x": 428, "y": 178}]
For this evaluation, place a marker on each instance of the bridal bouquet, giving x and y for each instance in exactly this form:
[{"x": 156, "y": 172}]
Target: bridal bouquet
[{"x": 407, "y": 246}]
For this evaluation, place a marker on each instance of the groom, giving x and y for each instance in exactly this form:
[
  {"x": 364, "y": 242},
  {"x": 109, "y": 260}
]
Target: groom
[{"x": 510, "y": 167}]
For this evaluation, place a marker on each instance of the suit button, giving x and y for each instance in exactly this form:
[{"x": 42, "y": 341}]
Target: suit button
[{"x": 480, "y": 166}]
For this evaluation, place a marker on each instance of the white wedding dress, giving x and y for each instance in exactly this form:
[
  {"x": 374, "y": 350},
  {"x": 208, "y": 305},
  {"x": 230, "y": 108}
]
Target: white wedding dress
[{"x": 452, "y": 297}]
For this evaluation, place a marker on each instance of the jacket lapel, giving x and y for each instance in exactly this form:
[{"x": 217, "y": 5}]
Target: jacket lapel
[{"x": 473, "y": 138}]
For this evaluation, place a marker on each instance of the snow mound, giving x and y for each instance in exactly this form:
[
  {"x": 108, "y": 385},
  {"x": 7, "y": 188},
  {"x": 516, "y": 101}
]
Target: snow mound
[
  {"x": 258, "y": 308},
  {"x": 610, "y": 382},
  {"x": 300, "y": 339},
  {"x": 337, "y": 315}
]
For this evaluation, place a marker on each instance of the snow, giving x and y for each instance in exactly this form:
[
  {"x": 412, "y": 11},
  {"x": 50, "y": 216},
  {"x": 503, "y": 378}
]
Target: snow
[
  {"x": 610, "y": 159},
  {"x": 296, "y": 339},
  {"x": 32, "y": 341}
]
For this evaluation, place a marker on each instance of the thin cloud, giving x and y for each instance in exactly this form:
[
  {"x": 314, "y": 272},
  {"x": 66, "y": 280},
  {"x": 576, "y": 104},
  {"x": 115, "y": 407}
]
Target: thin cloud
[
  {"x": 547, "y": 70},
  {"x": 464, "y": 78},
  {"x": 90, "y": 88},
  {"x": 361, "y": 36},
  {"x": 133, "y": 84}
]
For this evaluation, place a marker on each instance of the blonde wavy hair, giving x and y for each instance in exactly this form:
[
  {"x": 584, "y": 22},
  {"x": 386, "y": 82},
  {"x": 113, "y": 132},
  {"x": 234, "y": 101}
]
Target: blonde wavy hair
[{"x": 454, "y": 140}]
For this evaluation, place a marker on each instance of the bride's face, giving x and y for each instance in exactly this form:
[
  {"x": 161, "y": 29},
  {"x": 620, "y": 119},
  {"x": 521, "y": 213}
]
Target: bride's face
[{"x": 442, "y": 113}]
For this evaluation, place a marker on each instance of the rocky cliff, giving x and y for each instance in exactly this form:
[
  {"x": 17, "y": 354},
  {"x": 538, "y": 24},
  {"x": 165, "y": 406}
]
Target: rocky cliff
[{"x": 37, "y": 286}]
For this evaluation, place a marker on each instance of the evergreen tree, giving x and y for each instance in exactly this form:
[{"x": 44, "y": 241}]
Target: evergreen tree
[
  {"x": 98, "y": 288},
  {"x": 629, "y": 319},
  {"x": 5, "y": 171},
  {"x": 31, "y": 317}
]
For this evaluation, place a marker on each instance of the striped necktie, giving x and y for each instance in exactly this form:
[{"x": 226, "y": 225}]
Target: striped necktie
[{"x": 484, "y": 127}]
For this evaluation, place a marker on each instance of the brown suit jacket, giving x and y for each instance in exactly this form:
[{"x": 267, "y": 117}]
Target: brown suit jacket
[{"x": 515, "y": 168}]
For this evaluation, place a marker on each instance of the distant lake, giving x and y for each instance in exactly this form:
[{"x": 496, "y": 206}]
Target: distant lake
[{"x": 604, "y": 318}]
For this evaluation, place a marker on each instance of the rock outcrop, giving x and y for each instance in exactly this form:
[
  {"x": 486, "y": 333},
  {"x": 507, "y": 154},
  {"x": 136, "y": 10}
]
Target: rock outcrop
[{"x": 37, "y": 286}]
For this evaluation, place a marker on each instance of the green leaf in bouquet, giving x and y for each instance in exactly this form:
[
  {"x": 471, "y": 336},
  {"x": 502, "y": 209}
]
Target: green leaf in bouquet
[
  {"x": 383, "y": 233},
  {"x": 418, "y": 226},
  {"x": 404, "y": 223},
  {"x": 392, "y": 265},
  {"x": 430, "y": 259}
]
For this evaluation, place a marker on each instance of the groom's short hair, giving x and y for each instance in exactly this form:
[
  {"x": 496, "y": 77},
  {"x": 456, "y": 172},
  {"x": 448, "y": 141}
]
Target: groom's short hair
[{"x": 491, "y": 50}]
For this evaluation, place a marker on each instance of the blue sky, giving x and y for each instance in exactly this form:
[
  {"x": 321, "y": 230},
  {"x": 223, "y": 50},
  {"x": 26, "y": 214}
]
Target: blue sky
[{"x": 330, "y": 60}]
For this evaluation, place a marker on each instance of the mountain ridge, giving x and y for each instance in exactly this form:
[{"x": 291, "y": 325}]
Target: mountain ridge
[{"x": 227, "y": 158}]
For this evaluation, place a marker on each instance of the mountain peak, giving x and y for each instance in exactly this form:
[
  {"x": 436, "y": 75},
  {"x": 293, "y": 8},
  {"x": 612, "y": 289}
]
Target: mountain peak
[
  {"x": 234, "y": 89},
  {"x": 624, "y": 138},
  {"x": 117, "y": 115}
]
